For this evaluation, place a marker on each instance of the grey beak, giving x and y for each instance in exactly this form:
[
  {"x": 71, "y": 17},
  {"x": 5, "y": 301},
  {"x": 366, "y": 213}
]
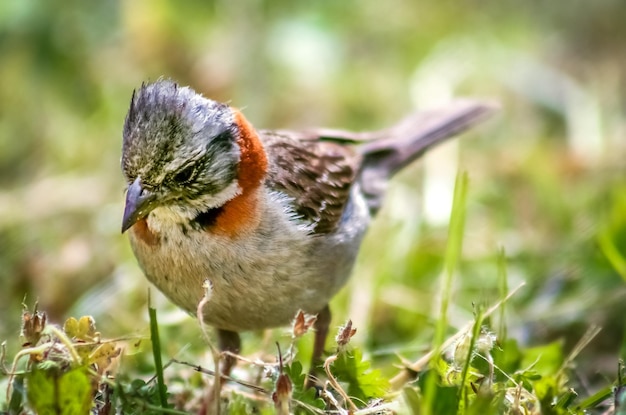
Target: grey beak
[{"x": 139, "y": 202}]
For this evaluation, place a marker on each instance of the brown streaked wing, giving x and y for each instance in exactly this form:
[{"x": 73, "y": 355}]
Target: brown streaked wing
[{"x": 317, "y": 174}]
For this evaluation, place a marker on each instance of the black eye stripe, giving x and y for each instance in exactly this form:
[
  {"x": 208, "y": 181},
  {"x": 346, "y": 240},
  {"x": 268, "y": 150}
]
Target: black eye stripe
[{"x": 185, "y": 175}]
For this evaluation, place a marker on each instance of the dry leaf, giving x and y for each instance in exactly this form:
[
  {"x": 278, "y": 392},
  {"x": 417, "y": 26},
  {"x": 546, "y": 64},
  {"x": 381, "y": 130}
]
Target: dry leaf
[
  {"x": 302, "y": 324},
  {"x": 345, "y": 334}
]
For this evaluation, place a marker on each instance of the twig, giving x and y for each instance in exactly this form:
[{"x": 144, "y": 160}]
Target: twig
[
  {"x": 336, "y": 385},
  {"x": 257, "y": 362},
  {"x": 210, "y": 372},
  {"x": 589, "y": 335},
  {"x": 333, "y": 401},
  {"x": 215, "y": 393}
]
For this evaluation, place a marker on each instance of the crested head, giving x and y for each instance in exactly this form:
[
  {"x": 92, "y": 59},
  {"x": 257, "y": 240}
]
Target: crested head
[{"x": 180, "y": 147}]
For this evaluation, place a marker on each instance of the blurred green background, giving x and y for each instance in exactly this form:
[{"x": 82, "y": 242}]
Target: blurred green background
[{"x": 547, "y": 175}]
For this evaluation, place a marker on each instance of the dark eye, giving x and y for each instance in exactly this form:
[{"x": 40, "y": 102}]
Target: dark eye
[{"x": 185, "y": 174}]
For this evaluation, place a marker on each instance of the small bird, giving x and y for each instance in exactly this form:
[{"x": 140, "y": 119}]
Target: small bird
[{"x": 272, "y": 219}]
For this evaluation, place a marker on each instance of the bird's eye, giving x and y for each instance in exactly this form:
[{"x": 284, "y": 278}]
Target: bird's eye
[{"x": 185, "y": 174}]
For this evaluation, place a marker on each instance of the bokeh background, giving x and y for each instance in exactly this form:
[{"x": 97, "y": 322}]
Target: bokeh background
[{"x": 547, "y": 174}]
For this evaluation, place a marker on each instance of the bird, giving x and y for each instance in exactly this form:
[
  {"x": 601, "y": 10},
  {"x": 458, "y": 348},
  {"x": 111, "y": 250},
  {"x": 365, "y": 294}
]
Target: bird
[{"x": 272, "y": 219}]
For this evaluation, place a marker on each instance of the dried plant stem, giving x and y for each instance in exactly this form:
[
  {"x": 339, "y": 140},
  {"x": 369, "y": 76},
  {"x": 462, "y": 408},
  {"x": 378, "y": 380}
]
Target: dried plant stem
[
  {"x": 214, "y": 393},
  {"x": 336, "y": 385}
]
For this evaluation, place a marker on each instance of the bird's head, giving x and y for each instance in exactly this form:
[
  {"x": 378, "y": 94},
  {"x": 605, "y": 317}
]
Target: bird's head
[{"x": 179, "y": 152}]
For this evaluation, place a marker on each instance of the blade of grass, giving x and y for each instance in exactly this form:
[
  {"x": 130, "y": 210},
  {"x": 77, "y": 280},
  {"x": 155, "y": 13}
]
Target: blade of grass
[
  {"x": 407, "y": 373},
  {"x": 589, "y": 335},
  {"x": 478, "y": 321},
  {"x": 503, "y": 289},
  {"x": 156, "y": 352},
  {"x": 612, "y": 254},
  {"x": 594, "y": 400},
  {"x": 453, "y": 253}
]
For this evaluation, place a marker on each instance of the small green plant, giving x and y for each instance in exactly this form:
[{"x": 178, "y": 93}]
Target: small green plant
[{"x": 58, "y": 370}]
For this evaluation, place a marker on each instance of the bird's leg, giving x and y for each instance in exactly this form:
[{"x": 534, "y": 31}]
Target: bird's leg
[
  {"x": 321, "y": 327},
  {"x": 228, "y": 341}
]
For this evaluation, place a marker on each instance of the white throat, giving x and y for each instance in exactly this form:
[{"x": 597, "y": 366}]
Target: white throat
[{"x": 176, "y": 214}]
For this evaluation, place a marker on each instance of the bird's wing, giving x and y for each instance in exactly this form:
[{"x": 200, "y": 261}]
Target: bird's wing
[
  {"x": 316, "y": 174},
  {"x": 317, "y": 167}
]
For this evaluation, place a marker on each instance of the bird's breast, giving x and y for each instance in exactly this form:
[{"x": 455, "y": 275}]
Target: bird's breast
[{"x": 259, "y": 279}]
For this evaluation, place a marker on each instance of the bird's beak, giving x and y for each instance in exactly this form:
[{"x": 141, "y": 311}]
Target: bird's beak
[{"x": 139, "y": 202}]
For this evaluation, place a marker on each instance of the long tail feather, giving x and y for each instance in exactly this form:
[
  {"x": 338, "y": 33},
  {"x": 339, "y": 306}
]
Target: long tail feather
[{"x": 394, "y": 148}]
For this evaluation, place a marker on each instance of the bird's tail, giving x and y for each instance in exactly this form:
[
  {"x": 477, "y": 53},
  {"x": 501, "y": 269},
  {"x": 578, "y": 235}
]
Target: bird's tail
[{"x": 386, "y": 152}]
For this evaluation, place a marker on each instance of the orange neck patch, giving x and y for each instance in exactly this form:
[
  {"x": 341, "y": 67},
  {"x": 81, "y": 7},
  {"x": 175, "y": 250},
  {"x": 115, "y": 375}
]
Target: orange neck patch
[
  {"x": 143, "y": 232},
  {"x": 241, "y": 213}
]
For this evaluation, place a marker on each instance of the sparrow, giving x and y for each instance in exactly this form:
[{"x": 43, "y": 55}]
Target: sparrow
[{"x": 272, "y": 219}]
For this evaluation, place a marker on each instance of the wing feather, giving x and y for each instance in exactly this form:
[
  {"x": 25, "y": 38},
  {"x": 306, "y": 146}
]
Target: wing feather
[{"x": 317, "y": 174}]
